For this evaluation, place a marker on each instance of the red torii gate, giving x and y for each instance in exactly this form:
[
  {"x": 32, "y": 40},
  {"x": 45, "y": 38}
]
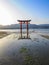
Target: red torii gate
[{"x": 22, "y": 22}]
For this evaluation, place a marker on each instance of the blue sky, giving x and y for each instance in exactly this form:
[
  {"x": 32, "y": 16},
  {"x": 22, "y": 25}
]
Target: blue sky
[
  {"x": 36, "y": 10},
  {"x": 34, "y": 7}
]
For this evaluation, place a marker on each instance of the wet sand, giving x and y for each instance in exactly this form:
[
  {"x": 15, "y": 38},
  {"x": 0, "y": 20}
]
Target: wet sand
[
  {"x": 3, "y": 34},
  {"x": 45, "y": 36}
]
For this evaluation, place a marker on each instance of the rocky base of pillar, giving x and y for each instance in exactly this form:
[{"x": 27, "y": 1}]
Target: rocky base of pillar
[{"x": 24, "y": 37}]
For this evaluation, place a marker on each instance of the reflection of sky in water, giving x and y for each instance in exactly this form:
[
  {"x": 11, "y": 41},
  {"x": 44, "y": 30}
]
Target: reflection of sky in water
[{"x": 10, "y": 46}]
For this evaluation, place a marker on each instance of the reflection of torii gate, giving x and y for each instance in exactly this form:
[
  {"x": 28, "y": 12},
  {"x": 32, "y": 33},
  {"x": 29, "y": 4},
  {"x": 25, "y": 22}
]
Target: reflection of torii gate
[{"x": 26, "y": 22}]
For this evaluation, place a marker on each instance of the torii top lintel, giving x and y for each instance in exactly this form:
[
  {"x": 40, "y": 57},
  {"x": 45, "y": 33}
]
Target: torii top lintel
[{"x": 24, "y": 20}]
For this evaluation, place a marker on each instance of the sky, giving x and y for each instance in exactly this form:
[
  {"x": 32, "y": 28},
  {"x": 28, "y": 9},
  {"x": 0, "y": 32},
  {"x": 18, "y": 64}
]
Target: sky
[{"x": 13, "y": 10}]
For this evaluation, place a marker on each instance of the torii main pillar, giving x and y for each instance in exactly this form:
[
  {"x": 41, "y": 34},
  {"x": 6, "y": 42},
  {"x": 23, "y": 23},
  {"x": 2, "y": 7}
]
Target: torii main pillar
[{"x": 22, "y": 22}]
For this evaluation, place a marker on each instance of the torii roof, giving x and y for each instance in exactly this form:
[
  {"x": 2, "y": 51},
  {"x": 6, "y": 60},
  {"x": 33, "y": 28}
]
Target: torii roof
[{"x": 23, "y": 20}]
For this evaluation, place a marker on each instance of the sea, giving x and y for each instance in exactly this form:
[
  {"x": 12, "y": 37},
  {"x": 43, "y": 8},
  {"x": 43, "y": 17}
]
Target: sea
[{"x": 18, "y": 30}]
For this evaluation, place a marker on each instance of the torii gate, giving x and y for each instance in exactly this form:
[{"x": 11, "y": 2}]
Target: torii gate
[{"x": 22, "y": 22}]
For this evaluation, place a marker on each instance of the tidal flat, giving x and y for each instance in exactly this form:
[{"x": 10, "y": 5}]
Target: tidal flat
[{"x": 3, "y": 34}]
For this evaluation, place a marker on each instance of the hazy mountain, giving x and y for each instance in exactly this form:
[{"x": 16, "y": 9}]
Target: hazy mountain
[
  {"x": 43, "y": 26},
  {"x": 17, "y": 26}
]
